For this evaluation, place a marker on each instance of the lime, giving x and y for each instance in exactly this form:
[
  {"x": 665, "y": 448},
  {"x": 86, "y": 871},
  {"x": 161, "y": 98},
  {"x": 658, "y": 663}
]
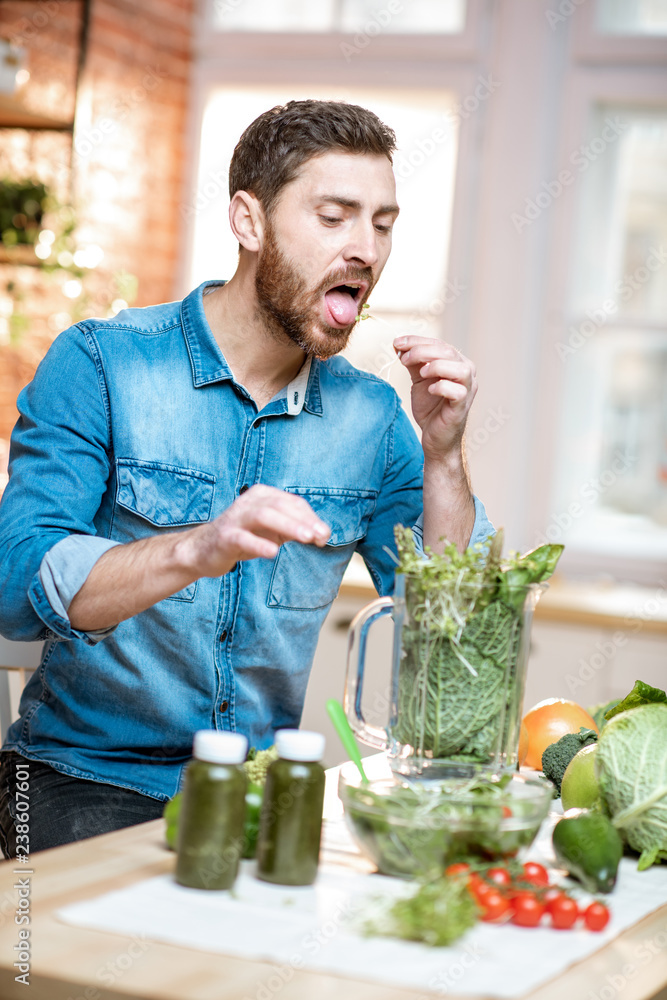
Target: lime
[{"x": 579, "y": 788}]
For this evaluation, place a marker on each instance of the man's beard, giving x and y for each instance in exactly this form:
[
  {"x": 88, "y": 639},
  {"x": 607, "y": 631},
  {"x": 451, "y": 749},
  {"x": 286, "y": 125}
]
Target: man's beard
[{"x": 290, "y": 310}]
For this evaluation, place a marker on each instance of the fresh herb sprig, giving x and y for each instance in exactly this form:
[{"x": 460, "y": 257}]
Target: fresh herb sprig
[{"x": 438, "y": 913}]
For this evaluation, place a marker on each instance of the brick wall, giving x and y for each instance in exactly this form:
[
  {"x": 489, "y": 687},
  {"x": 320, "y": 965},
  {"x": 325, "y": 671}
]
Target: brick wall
[{"x": 123, "y": 174}]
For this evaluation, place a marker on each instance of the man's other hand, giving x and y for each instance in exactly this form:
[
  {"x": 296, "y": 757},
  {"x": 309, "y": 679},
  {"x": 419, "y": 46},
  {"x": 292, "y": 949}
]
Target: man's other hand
[{"x": 254, "y": 526}]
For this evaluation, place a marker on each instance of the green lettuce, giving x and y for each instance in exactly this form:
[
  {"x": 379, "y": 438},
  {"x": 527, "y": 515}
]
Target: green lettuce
[
  {"x": 461, "y": 641},
  {"x": 631, "y": 769},
  {"x": 641, "y": 694}
]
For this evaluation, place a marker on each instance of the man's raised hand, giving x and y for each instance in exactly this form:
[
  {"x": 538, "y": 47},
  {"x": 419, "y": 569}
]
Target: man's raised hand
[{"x": 444, "y": 384}]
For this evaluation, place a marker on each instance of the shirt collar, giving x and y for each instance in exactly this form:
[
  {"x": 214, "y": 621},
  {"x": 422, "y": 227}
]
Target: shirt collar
[
  {"x": 209, "y": 365},
  {"x": 296, "y": 390},
  {"x": 206, "y": 358}
]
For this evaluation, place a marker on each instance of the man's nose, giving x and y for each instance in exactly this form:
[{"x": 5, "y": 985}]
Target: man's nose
[{"x": 363, "y": 245}]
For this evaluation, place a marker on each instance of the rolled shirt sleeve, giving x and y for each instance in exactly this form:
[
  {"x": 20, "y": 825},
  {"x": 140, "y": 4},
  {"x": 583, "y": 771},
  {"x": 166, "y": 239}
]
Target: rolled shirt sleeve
[
  {"x": 62, "y": 572},
  {"x": 59, "y": 467}
]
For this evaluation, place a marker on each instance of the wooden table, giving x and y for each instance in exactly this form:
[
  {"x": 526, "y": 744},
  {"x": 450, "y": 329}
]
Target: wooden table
[{"x": 70, "y": 963}]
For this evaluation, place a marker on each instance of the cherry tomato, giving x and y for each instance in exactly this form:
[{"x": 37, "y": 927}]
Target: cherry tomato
[
  {"x": 494, "y": 905},
  {"x": 596, "y": 916},
  {"x": 500, "y": 876},
  {"x": 479, "y": 888},
  {"x": 563, "y": 911},
  {"x": 506, "y": 812},
  {"x": 535, "y": 873},
  {"x": 457, "y": 869},
  {"x": 551, "y": 896},
  {"x": 527, "y": 910}
]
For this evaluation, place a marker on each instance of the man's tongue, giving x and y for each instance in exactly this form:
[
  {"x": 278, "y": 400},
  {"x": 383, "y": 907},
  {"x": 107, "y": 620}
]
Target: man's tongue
[{"x": 342, "y": 306}]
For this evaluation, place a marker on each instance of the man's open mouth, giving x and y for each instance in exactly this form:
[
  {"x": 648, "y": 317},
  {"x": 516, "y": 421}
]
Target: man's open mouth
[{"x": 343, "y": 301}]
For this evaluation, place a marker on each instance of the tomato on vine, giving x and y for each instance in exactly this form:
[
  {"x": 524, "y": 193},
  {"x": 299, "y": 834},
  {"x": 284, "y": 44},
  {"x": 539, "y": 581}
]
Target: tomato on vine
[
  {"x": 596, "y": 916},
  {"x": 500, "y": 876},
  {"x": 527, "y": 909},
  {"x": 459, "y": 869},
  {"x": 522, "y": 895},
  {"x": 535, "y": 873},
  {"x": 563, "y": 911},
  {"x": 495, "y": 905}
]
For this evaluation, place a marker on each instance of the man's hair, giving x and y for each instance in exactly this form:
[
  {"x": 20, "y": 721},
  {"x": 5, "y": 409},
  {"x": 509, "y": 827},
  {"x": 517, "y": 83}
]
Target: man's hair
[{"x": 274, "y": 147}]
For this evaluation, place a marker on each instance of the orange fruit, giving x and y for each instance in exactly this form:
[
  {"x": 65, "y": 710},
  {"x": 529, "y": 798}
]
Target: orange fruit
[{"x": 547, "y": 721}]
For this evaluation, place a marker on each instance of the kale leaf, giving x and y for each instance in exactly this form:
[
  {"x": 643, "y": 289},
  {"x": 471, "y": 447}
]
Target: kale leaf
[{"x": 462, "y": 648}]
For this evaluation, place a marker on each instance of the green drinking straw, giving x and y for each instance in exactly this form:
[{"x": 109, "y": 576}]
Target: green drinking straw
[{"x": 342, "y": 727}]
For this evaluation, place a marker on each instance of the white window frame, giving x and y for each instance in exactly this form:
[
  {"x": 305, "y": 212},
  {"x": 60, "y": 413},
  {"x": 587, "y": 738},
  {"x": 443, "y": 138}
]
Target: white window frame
[
  {"x": 591, "y": 82},
  {"x": 511, "y": 314}
]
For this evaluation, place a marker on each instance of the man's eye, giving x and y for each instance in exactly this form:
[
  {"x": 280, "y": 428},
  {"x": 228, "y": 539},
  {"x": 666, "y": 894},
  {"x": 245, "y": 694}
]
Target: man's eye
[
  {"x": 383, "y": 229},
  {"x": 330, "y": 220}
]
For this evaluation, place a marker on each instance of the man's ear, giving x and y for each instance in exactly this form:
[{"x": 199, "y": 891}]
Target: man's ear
[{"x": 246, "y": 217}]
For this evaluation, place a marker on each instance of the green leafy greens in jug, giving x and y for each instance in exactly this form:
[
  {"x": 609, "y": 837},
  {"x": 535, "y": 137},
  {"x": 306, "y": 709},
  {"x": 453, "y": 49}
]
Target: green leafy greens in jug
[{"x": 461, "y": 643}]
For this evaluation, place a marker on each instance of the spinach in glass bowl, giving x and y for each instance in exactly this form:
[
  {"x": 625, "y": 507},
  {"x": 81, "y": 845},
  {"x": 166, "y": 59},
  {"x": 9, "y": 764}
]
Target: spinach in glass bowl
[{"x": 416, "y": 829}]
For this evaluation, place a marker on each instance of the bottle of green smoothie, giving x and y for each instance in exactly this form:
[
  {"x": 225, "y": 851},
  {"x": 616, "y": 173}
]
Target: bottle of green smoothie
[
  {"x": 210, "y": 840},
  {"x": 290, "y": 826}
]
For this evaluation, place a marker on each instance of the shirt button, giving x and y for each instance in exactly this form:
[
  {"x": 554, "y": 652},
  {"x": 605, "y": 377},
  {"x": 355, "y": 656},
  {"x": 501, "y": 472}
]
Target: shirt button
[
  {"x": 244, "y": 489},
  {"x": 224, "y": 706},
  {"x": 223, "y": 635}
]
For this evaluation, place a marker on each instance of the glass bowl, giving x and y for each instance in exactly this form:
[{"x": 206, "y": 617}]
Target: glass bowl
[{"x": 415, "y": 829}]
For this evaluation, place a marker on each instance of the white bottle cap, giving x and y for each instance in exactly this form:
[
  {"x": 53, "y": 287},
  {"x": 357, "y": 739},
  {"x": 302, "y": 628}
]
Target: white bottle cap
[
  {"x": 220, "y": 747},
  {"x": 299, "y": 744}
]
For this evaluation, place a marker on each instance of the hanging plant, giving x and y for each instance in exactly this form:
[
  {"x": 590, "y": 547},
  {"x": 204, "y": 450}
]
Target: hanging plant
[{"x": 22, "y": 206}]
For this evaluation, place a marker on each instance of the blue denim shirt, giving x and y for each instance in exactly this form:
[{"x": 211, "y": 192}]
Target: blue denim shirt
[{"x": 135, "y": 426}]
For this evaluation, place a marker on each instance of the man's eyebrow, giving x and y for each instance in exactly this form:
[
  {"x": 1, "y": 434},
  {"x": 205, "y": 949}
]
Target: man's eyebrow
[{"x": 337, "y": 199}]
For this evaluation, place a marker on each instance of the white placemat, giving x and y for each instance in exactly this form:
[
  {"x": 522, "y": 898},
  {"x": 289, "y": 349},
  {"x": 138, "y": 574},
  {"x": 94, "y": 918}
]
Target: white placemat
[{"x": 312, "y": 928}]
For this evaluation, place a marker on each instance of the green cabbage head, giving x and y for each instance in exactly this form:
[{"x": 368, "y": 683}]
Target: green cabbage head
[{"x": 631, "y": 767}]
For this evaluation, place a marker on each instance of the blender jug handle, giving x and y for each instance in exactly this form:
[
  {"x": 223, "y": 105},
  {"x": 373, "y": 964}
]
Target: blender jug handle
[{"x": 374, "y": 736}]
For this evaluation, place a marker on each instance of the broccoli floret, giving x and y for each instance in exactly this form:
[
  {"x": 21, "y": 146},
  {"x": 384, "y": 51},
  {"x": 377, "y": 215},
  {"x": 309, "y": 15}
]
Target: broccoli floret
[
  {"x": 257, "y": 764},
  {"x": 557, "y": 756}
]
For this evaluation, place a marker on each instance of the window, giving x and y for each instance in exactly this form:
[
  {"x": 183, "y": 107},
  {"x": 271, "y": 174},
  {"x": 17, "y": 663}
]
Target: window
[
  {"x": 612, "y": 466},
  {"x": 632, "y": 17},
  {"x": 353, "y": 16}
]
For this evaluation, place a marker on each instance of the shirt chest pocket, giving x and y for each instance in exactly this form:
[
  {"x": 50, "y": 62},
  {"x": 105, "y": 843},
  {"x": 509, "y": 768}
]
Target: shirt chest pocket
[
  {"x": 306, "y": 577},
  {"x": 152, "y": 497}
]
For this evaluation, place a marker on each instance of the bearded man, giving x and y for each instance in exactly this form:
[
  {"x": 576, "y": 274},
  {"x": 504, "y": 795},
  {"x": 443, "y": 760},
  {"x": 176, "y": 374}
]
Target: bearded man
[{"x": 189, "y": 481}]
